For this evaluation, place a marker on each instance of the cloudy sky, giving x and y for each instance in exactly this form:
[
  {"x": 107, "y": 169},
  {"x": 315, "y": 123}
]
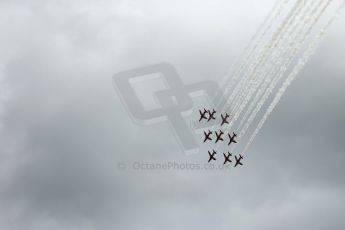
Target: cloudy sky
[{"x": 64, "y": 130}]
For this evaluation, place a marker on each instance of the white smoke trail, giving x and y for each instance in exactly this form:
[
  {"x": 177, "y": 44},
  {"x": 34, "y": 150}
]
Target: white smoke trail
[
  {"x": 267, "y": 88},
  {"x": 295, "y": 33},
  {"x": 229, "y": 81},
  {"x": 278, "y": 60},
  {"x": 302, "y": 61},
  {"x": 246, "y": 89},
  {"x": 249, "y": 54},
  {"x": 249, "y": 82},
  {"x": 278, "y": 37},
  {"x": 258, "y": 59},
  {"x": 270, "y": 65}
]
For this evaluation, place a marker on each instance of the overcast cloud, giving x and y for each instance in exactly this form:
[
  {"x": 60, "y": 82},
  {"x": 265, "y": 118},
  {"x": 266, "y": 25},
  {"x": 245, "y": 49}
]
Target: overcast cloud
[{"x": 63, "y": 129}]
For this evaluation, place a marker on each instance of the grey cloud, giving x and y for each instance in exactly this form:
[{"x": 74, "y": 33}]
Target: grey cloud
[{"x": 64, "y": 129}]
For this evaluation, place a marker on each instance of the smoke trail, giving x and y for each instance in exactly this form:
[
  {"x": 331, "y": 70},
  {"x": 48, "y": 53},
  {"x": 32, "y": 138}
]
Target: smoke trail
[
  {"x": 247, "y": 56},
  {"x": 252, "y": 65},
  {"x": 263, "y": 55},
  {"x": 302, "y": 61},
  {"x": 253, "y": 72},
  {"x": 295, "y": 50},
  {"x": 277, "y": 61},
  {"x": 276, "y": 39},
  {"x": 230, "y": 80},
  {"x": 267, "y": 89},
  {"x": 252, "y": 87}
]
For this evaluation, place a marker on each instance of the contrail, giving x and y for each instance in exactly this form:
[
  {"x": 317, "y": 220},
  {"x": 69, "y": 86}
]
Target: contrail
[{"x": 302, "y": 61}]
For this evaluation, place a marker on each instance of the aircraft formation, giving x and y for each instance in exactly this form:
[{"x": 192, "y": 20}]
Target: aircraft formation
[{"x": 219, "y": 136}]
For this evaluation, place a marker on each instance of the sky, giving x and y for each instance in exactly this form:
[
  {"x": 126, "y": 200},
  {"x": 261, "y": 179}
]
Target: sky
[{"x": 64, "y": 130}]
